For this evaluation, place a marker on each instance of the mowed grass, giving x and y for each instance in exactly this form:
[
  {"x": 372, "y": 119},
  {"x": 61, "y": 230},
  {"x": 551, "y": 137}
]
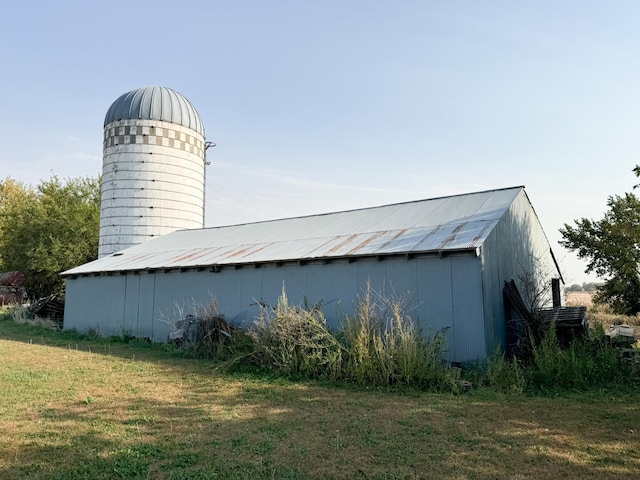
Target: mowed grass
[{"x": 73, "y": 408}]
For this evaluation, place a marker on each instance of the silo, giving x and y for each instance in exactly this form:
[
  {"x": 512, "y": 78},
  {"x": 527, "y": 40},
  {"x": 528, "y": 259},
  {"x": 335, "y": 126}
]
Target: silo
[{"x": 153, "y": 173}]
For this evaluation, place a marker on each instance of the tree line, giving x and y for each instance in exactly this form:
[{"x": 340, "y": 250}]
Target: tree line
[
  {"x": 47, "y": 229},
  {"x": 585, "y": 287}
]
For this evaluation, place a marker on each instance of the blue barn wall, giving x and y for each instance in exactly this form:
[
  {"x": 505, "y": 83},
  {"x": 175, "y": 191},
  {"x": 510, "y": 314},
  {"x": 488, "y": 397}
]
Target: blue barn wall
[{"x": 439, "y": 293}]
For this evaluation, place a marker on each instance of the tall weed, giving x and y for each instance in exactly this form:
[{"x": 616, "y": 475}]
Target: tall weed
[
  {"x": 586, "y": 362},
  {"x": 295, "y": 341},
  {"x": 384, "y": 346},
  {"x": 503, "y": 374},
  {"x": 22, "y": 316}
]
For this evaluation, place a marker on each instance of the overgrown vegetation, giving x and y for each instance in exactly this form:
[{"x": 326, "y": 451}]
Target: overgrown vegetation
[
  {"x": 380, "y": 345},
  {"x": 296, "y": 341},
  {"x": 585, "y": 363},
  {"x": 604, "y": 315},
  {"x": 501, "y": 374},
  {"x": 206, "y": 333},
  {"x": 384, "y": 346},
  {"x": 21, "y": 316}
]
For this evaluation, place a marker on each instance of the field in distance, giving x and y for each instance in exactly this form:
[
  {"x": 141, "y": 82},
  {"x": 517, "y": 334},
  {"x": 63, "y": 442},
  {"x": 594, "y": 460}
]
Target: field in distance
[{"x": 579, "y": 298}]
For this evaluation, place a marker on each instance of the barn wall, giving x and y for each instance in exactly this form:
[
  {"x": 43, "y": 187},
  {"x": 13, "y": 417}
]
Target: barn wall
[
  {"x": 516, "y": 247},
  {"x": 96, "y": 303},
  {"x": 440, "y": 292}
]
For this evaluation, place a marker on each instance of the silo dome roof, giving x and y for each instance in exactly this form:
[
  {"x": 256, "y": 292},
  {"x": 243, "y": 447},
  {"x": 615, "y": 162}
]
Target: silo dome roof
[{"x": 155, "y": 103}]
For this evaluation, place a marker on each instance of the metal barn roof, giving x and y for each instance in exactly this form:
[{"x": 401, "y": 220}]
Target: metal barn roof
[{"x": 439, "y": 225}]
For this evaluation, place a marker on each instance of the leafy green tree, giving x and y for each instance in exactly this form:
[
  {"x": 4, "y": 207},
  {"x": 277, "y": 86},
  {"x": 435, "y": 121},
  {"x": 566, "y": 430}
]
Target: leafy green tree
[
  {"x": 611, "y": 247},
  {"x": 49, "y": 229},
  {"x": 574, "y": 288},
  {"x": 13, "y": 195}
]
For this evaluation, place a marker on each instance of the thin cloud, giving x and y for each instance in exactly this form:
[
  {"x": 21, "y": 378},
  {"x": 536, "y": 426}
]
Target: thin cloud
[{"x": 300, "y": 180}]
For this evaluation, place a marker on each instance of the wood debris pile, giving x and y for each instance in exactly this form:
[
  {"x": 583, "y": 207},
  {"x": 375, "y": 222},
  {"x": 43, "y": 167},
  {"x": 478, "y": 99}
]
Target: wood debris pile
[{"x": 51, "y": 307}]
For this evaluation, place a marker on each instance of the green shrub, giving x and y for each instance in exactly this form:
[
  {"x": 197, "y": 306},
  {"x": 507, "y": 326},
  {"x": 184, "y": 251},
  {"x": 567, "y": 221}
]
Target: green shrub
[
  {"x": 587, "y": 362},
  {"x": 503, "y": 374}
]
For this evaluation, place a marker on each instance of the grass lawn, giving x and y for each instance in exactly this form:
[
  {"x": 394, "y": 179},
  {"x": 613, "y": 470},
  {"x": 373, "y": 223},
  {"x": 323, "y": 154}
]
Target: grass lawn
[{"x": 75, "y": 408}]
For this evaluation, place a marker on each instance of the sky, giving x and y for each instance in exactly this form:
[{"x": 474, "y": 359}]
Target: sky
[{"x": 334, "y": 105}]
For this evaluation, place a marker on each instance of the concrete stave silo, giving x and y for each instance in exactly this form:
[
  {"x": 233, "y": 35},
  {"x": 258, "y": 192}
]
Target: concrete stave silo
[{"x": 153, "y": 177}]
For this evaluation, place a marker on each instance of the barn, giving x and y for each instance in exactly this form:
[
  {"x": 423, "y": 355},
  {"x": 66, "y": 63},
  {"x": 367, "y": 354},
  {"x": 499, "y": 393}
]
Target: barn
[{"x": 448, "y": 257}]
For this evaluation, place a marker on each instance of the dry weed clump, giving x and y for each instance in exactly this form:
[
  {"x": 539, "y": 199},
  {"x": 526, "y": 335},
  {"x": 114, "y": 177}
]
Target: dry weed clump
[
  {"x": 21, "y": 316},
  {"x": 295, "y": 341},
  {"x": 379, "y": 345},
  {"x": 385, "y": 346},
  {"x": 602, "y": 314}
]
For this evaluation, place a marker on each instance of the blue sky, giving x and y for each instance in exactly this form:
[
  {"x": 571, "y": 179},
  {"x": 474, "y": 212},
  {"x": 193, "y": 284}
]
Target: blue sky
[{"x": 324, "y": 106}]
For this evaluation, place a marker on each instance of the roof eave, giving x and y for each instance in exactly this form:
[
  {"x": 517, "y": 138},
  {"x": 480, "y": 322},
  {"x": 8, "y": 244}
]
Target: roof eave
[{"x": 474, "y": 251}]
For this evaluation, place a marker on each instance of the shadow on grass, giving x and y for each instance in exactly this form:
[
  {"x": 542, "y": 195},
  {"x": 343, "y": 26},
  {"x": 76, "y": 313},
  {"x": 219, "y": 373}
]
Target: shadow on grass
[{"x": 153, "y": 414}]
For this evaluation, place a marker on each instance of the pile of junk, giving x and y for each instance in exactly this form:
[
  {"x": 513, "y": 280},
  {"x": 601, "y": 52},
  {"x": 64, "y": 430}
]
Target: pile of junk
[{"x": 12, "y": 291}]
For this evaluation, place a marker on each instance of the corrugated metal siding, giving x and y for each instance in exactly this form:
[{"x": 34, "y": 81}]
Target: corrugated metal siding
[
  {"x": 98, "y": 305},
  {"x": 468, "y": 316},
  {"x": 131, "y": 296},
  {"x": 435, "y": 299},
  {"x": 434, "y": 295},
  {"x": 515, "y": 246},
  {"x": 450, "y": 297},
  {"x": 437, "y": 225},
  {"x": 146, "y": 307}
]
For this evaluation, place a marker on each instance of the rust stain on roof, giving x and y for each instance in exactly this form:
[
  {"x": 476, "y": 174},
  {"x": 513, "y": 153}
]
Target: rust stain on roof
[
  {"x": 435, "y": 230},
  {"x": 480, "y": 235},
  {"x": 453, "y": 234},
  {"x": 239, "y": 252},
  {"x": 189, "y": 256},
  {"x": 195, "y": 254},
  {"x": 341, "y": 244},
  {"x": 260, "y": 247},
  {"x": 394, "y": 238},
  {"x": 430, "y": 225},
  {"x": 320, "y": 247},
  {"x": 367, "y": 242},
  {"x": 431, "y": 233}
]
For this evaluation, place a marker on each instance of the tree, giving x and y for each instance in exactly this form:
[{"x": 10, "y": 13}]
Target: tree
[
  {"x": 591, "y": 286},
  {"x": 49, "y": 229},
  {"x": 611, "y": 247},
  {"x": 13, "y": 194}
]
